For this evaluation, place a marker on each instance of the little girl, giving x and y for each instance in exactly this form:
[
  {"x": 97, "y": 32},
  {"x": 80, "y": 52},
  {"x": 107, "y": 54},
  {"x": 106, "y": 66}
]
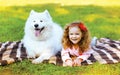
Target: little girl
[{"x": 76, "y": 44}]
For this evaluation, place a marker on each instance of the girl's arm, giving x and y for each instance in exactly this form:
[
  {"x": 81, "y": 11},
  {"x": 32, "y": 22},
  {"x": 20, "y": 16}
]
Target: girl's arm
[
  {"x": 86, "y": 54},
  {"x": 65, "y": 55}
]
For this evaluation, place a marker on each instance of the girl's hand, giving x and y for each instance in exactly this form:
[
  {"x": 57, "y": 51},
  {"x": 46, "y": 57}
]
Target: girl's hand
[
  {"x": 77, "y": 62},
  {"x": 68, "y": 62}
]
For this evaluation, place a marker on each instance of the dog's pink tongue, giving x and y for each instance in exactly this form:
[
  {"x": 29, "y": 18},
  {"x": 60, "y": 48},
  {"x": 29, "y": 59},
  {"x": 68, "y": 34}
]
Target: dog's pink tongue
[{"x": 37, "y": 33}]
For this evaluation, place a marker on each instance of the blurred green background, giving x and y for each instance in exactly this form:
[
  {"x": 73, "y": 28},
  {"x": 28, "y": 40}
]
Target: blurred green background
[{"x": 101, "y": 17}]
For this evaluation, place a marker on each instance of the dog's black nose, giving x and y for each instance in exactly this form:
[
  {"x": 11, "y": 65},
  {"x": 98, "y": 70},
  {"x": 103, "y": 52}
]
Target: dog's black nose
[{"x": 36, "y": 25}]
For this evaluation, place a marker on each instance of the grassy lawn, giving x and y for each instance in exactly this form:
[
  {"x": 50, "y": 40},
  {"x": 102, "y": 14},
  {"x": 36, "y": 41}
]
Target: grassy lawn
[
  {"x": 101, "y": 21},
  {"x": 62, "y": 2}
]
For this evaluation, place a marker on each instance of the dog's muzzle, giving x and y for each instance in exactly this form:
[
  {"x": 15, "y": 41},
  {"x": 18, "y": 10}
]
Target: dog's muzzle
[{"x": 38, "y": 30}]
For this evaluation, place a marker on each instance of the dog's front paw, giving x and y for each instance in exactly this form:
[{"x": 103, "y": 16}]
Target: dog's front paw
[{"x": 36, "y": 61}]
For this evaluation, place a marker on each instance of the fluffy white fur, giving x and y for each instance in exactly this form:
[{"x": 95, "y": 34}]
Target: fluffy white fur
[{"x": 42, "y": 37}]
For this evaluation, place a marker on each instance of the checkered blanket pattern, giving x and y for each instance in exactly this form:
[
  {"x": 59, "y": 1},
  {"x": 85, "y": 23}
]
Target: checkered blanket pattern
[{"x": 106, "y": 51}]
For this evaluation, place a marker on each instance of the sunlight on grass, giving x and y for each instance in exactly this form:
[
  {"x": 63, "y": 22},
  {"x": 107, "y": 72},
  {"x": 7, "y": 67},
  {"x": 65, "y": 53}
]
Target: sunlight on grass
[
  {"x": 62, "y": 2},
  {"x": 2, "y": 8},
  {"x": 6, "y": 72},
  {"x": 61, "y": 11},
  {"x": 100, "y": 69},
  {"x": 21, "y": 13},
  {"x": 110, "y": 29},
  {"x": 92, "y": 17}
]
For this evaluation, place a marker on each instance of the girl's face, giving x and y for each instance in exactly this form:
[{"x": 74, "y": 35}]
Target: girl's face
[{"x": 75, "y": 34}]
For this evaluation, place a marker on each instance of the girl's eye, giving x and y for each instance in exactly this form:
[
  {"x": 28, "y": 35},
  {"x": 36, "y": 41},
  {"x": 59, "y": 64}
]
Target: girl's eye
[
  {"x": 71, "y": 34},
  {"x": 77, "y": 33},
  {"x": 41, "y": 21}
]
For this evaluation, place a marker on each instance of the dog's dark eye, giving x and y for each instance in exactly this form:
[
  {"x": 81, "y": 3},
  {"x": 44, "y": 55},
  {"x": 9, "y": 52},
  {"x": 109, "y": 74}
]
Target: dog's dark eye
[
  {"x": 34, "y": 21},
  {"x": 41, "y": 21}
]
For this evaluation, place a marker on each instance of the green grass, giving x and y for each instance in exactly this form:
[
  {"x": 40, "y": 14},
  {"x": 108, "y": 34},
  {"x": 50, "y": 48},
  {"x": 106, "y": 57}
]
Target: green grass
[
  {"x": 101, "y": 21},
  {"x": 62, "y": 2}
]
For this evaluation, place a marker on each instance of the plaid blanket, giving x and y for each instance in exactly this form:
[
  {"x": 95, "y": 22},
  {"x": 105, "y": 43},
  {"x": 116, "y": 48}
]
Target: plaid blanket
[{"x": 106, "y": 51}]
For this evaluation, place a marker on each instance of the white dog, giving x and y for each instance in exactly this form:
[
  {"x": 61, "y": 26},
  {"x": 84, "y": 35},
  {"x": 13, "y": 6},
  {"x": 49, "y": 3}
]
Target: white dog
[{"x": 42, "y": 37}]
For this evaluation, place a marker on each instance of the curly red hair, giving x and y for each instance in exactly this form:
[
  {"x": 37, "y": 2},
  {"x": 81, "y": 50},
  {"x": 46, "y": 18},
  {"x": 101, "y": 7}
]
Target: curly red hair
[{"x": 85, "y": 38}]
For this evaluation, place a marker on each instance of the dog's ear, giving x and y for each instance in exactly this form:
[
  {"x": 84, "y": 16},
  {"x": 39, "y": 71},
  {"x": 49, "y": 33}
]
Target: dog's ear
[
  {"x": 32, "y": 12},
  {"x": 47, "y": 14}
]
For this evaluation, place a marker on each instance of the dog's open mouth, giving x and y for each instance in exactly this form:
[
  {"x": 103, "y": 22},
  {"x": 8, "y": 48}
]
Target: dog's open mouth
[{"x": 38, "y": 31}]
